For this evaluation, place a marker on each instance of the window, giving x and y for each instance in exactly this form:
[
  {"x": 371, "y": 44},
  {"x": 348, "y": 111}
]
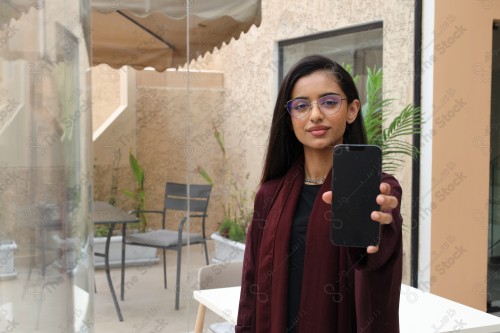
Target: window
[{"x": 360, "y": 46}]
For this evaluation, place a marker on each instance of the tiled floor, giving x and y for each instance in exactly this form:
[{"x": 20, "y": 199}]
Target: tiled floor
[
  {"x": 40, "y": 304},
  {"x": 148, "y": 307}
]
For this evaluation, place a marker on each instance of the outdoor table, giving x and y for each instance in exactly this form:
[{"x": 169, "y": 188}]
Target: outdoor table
[
  {"x": 105, "y": 213},
  {"x": 419, "y": 312}
]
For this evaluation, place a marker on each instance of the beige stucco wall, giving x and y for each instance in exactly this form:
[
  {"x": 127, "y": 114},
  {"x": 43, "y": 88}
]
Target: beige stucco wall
[
  {"x": 154, "y": 127},
  {"x": 250, "y": 73},
  {"x": 114, "y": 99},
  {"x": 105, "y": 93},
  {"x": 460, "y": 149},
  {"x": 169, "y": 149}
]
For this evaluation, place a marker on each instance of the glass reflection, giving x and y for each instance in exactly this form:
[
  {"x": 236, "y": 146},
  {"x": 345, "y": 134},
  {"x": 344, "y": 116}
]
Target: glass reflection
[{"x": 46, "y": 279}]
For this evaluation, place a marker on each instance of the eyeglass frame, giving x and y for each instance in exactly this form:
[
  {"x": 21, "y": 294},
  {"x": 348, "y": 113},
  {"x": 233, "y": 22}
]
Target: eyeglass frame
[{"x": 311, "y": 105}]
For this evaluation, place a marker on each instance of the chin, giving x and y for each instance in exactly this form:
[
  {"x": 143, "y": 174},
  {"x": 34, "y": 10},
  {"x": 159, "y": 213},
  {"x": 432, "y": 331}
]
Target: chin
[
  {"x": 329, "y": 143},
  {"x": 323, "y": 146},
  {"x": 321, "y": 143}
]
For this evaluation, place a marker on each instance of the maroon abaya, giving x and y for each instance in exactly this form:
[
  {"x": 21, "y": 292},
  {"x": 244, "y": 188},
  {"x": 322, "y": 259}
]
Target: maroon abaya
[{"x": 343, "y": 289}]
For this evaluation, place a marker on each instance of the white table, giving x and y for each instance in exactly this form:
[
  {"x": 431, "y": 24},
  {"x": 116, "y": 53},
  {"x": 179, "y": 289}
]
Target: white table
[
  {"x": 425, "y": 312},
  {"x": 223, "y": 301},
  {"x": 419, "y": 312}
]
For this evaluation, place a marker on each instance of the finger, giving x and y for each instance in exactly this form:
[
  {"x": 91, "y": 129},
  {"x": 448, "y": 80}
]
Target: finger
[
  {"x": 383, "y": 218},
  {"x": 327, "y": 197},
  {"x": 387, "y": 202},
  {"x": 372, "y": 249},
  {"x": 385, "y": 188}
]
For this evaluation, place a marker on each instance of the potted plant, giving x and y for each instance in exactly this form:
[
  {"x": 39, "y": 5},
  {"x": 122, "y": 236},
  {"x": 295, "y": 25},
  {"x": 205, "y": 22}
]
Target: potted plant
[
  {"x": 7, "y": 247},
  {"x": 7, "y": 269},
  {"x": 139, "y": 195},
  {"x": 391, "y": 138},
  {"x": 134, "y": 255},
  {"x": 231, "y": 232}
]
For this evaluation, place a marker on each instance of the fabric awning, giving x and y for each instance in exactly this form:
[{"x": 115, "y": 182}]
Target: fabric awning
[
  {"x": 13, "y": 9},
  {"x": 152, "y": 33}
]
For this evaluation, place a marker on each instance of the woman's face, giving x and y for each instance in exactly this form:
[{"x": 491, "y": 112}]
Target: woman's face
[{"x": 317, "y": 130}]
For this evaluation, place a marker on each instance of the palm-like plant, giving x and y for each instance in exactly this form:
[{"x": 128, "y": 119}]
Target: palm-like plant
[
  {"x": 391, "y": 139},
  {"x": 139, "y": 195},
  {"x": 237, "y": 212}
]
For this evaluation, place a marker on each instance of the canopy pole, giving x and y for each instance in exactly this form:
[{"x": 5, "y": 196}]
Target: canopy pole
[{"x": 189, "y": 149}]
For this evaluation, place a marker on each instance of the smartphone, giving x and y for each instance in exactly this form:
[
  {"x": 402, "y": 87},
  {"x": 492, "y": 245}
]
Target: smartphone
[{"x": 356, "y": 175}]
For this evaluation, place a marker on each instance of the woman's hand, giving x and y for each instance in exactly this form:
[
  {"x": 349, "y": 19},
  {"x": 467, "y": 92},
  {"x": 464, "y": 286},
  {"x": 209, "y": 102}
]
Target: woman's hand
[{"x": 387, "y": 203}]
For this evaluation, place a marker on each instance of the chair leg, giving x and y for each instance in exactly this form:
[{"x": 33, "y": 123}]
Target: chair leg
[
  {"x": 206, "y": 251},
  {"x": 42, "y": 249},
  {"x": 165, "y": 268},
  {"x": 178, "y": 278},
  {"x": 33, "y": 244}
]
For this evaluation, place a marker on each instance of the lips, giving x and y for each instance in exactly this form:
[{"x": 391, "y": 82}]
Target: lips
[{"x": 317, "y": 130}]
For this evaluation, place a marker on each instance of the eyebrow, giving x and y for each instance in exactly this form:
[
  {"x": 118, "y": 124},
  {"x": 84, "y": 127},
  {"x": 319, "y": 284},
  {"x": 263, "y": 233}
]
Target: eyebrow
[{"x": 320, "y": 96}]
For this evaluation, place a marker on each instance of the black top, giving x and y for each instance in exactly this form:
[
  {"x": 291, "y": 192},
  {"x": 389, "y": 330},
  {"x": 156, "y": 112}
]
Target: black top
[{"x": 297, "y": 251}]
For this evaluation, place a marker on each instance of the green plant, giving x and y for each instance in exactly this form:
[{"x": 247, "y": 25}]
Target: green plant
[
  {"x": 232, "y": 229},
  {"x": 114, "y": 177},
  {"x": 101, "y": 230},
  {"x": 237, "y": 214},
  {"x": 139, "y": 195},
  {"x": 390, "y": 139}
]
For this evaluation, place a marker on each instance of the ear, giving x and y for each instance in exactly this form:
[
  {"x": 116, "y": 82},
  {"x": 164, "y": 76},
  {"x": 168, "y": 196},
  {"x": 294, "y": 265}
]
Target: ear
[{"x": 352, "y": 111}]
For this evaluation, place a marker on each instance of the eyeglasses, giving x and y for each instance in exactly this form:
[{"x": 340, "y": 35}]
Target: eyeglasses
[{"x": 300, "y": 107}]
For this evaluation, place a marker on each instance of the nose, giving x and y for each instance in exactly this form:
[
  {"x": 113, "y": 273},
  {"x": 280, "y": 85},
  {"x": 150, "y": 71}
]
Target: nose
[{"x": 315, "y": 111}]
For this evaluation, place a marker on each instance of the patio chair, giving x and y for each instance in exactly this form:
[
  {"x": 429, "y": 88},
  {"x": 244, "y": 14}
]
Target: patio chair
[
  {"x": 220, "y": 275},
  {"x": 176, "y": 199}
]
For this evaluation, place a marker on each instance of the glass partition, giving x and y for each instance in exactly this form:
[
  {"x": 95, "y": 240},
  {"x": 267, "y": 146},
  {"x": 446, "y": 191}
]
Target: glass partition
[
  {"x": 162, "y": 121},
  {"x": 46, "y": 275},
  {"x": 67, "y": 153}
]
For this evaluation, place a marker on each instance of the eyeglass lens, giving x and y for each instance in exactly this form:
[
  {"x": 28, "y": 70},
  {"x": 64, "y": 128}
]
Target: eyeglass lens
[{"x": 329, "y": 104}]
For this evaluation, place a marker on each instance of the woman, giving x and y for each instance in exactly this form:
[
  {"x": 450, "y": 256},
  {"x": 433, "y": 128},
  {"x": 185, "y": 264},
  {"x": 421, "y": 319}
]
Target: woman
[{"x": 294, "y": 279}]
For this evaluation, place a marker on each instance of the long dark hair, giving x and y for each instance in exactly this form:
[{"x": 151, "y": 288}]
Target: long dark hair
[{"x": 283, "y": 147}]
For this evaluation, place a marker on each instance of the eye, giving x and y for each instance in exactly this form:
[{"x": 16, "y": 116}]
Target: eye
[
  {"x": 300, "y": 105},
  {"x": 330, "y": 101}
]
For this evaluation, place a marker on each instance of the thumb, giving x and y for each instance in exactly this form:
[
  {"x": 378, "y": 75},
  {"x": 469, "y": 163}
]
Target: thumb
[{"x": 327, "y": 197}]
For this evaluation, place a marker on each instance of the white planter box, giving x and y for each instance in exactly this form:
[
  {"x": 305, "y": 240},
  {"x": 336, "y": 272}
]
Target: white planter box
[
  {"x": 134, "y": 255},
  {"x": 7, "y": 270},
  {"x": 227, "y": 250}
]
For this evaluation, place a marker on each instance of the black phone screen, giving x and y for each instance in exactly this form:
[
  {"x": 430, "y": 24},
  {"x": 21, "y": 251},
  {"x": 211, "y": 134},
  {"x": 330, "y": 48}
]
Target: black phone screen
[{"x": 356, "y": 176}]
